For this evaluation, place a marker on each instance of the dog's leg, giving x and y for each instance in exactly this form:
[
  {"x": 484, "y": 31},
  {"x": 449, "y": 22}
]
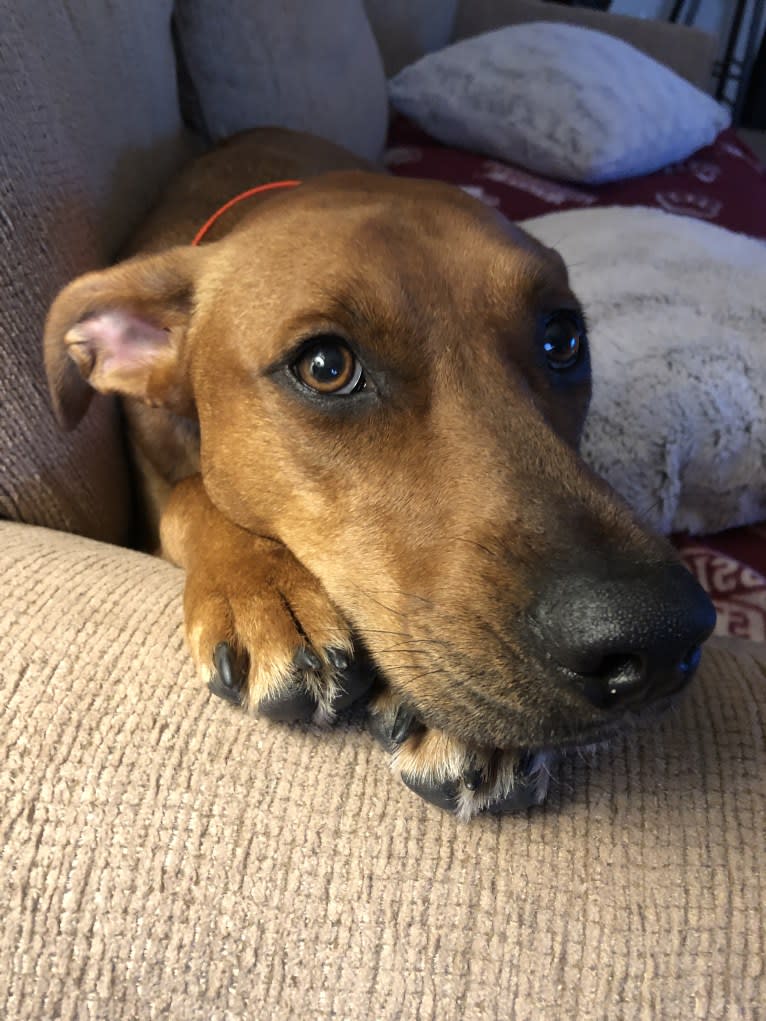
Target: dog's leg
[
  {"x": 451, "y": 774},
  {"x": 262, "y": 630}
]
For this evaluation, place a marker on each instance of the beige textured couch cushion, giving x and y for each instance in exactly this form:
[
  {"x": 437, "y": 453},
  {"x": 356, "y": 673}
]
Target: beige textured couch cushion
[
  {"x": 307, "y": 66},
  {"x": 90, "y": 131},
  {"x": 162, "y": 855}
]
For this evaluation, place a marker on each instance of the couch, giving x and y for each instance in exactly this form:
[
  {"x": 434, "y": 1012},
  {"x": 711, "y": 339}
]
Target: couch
[{"x": 161, "y": 854}]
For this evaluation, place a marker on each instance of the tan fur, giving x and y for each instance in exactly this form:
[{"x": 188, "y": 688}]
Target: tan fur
[{"x": 420, "y": 522}]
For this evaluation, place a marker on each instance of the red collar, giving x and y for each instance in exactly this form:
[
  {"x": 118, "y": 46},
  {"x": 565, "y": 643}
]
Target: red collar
[{"x": 238, "y": 198}]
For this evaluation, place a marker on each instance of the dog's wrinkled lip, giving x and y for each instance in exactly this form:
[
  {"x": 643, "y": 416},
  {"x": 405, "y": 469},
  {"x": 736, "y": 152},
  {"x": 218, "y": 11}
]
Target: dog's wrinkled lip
[{"x": 606, "y": 732}]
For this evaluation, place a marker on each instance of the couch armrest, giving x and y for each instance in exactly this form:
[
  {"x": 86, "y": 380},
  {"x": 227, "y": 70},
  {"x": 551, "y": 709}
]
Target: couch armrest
[
  {"x": 164, "y": 855},
  {"x": 688, "y": 51}
]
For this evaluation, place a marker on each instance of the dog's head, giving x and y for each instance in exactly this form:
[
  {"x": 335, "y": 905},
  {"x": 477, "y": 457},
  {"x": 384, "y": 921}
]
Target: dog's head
[{"x": 392, "y": 380}]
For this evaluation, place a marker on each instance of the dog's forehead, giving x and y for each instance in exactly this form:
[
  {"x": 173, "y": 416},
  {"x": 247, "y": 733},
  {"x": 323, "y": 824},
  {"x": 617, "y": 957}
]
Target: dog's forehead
[
  {"x": 396, "y": 244},
  {"x": 347, "y": 211}
]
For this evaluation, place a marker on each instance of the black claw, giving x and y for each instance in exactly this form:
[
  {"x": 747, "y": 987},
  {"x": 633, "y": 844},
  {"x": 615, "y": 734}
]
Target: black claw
[
  {"x": 223, "y": 682},
  {"x": 404, "y": 724},
  {"x": 222, "y": 656},
  {"x": 307, "y": 659},
  {"x": 338, "y": 658},
  {"x": 473, "y": 775}
]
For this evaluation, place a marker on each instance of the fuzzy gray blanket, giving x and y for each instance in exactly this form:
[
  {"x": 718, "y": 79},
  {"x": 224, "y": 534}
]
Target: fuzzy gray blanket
[{"x": 677, "y": 312}]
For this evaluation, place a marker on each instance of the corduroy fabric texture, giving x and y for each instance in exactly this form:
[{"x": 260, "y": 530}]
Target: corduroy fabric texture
[
  {"x": 163, "y": 855},
  {"x": 90, "y": 130}
]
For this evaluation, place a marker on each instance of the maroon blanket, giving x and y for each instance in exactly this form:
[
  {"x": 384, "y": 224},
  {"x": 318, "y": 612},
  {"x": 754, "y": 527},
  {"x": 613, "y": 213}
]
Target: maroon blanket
[{"x": 723, "y": 183}]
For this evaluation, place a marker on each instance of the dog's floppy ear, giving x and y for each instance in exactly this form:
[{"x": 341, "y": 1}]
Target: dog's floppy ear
[{"x": 122, "y": 330}]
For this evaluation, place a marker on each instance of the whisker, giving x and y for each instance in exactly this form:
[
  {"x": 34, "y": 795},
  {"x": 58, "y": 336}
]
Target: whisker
[
  {"x": 406, "y": 635},
  {"x": 414, "y": 647},
  {"x": 398, "y": 592},
  {"x": 645, "y": 511},
  {"x": 475, "y": 543},
  {"x": 401, "y": 592}
]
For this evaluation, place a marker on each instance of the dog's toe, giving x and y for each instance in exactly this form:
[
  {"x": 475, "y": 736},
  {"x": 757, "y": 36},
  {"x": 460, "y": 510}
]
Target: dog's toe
[
  {"x": 293, "y": 705},
  {"x": 465, "y": 800},
  {"x": 268, "y": 639},
  {"x": 350, "y": 678},
  {"x": 354, "y": 678},
  {"x": 449, "y": 774},
  {"x": 450, "y": 778},
  {"x": 294, "y": 702}
]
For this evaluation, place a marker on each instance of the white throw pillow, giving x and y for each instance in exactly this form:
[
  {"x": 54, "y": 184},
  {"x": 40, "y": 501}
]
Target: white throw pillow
[
  {"x": 561, "y": 100},
  {"x": 677, "y": 316}
]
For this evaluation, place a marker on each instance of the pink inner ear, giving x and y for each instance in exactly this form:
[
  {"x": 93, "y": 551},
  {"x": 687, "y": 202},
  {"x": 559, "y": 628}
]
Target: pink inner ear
[{"x": 119, "y": 342}]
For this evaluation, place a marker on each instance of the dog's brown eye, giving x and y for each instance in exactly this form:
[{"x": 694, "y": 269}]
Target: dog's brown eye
[
  {"x": 329, "y": 367},
  {"x": 562, "y": 340}
]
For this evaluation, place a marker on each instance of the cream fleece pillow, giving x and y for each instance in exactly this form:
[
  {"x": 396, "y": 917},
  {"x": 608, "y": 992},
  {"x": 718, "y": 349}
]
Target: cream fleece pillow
[
  {"x": 560, "y": 100},
  {"x": 677, "y": 312}
]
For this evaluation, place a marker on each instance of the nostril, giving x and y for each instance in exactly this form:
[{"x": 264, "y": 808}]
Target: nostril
[
  {"x": 620, "y": 668},
  {"x": 621, "y": 679},
  {"x": 618, "y": 678}
]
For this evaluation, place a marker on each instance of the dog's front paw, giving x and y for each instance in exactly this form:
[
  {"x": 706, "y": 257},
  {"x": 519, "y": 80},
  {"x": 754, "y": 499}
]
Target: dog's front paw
[
  {"x": 450, "y": 774},
  {"x": 265, "y": 635}
]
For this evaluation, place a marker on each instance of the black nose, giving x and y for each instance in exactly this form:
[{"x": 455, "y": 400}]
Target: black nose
[{"x": 629, "y": 639}]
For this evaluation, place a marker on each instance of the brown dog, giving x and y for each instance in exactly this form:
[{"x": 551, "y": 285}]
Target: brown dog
[{"x": 354, "y": 413}]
